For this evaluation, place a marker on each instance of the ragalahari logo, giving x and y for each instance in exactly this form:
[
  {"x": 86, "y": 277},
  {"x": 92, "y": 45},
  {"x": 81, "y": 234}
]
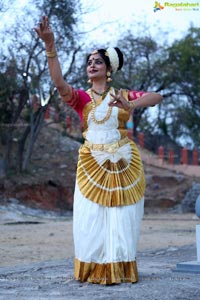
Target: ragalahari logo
[
  {"x": 157, "y": 6},
  {"x": 178, "y": 6}
]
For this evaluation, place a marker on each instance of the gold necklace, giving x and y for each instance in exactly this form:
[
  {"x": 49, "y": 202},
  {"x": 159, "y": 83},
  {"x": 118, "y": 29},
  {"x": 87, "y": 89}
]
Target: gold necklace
[
  {"x": 107, "y": 116},
  {"x": 103, "y": 94}
]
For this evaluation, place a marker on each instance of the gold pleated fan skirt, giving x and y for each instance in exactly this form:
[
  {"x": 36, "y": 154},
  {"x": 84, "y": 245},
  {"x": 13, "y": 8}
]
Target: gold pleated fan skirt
[{"x": 111, "y": 184}]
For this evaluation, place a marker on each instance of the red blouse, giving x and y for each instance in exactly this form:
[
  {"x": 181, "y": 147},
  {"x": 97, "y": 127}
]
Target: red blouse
[{"x": 80, "y": 98}]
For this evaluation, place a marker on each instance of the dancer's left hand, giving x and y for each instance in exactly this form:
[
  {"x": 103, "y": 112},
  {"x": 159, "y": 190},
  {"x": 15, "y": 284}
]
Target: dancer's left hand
[{"x": 119, "y": 101}]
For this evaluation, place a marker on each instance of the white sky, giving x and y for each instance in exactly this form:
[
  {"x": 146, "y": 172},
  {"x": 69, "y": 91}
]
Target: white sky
[{"x": 124, "y": 15}]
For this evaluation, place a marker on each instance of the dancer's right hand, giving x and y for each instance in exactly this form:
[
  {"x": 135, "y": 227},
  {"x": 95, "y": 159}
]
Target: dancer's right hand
[{"x": 44, "y": 31}]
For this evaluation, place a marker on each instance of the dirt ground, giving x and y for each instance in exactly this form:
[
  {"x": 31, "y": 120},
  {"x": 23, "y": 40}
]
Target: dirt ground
[{"x": 31, "y": 239}]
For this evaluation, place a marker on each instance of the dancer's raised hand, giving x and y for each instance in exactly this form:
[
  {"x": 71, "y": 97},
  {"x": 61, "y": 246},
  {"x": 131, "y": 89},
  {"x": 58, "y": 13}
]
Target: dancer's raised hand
[{"x": 44, "y": 31}]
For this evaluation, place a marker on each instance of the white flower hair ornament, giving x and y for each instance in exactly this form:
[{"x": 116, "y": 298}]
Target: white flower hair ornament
[{"x": 114, "y": 58}]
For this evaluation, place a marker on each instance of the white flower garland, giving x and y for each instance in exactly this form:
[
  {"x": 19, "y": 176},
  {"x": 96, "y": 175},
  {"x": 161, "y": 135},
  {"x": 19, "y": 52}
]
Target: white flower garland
[{"x": 114, "y": 59}]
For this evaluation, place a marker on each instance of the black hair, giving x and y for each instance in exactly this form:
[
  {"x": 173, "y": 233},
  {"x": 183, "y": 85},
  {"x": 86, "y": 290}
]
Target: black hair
[
  {"x": 106, "y": 59},
  {"x": 121, "y": 58}
]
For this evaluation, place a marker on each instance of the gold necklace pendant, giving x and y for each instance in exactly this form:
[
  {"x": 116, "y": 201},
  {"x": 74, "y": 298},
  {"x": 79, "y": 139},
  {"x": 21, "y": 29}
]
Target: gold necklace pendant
[{"x": 107, "y": 116}]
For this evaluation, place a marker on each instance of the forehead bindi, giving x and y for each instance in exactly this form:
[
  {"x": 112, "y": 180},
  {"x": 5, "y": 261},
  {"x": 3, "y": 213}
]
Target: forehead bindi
[{"x": 95, "y": 57}]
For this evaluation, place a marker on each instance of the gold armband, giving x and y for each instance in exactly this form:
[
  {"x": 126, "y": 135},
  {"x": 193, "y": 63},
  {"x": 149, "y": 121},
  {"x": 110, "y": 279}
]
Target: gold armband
[{"x": 51, "y": 54}]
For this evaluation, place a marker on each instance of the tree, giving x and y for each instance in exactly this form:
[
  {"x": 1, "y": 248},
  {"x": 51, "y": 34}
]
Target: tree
[
  {"x": 173, "y": 70},
  {"x": 144, "y": 62},
  {"x": 5, "y": 6},
  {"x": 184, "y": 81},
  {"x": 31, "y": 72},
  {"x": 7, "y": 87}
]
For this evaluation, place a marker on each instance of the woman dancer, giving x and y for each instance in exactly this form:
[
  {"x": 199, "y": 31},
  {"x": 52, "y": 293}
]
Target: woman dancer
[{"x": 110, "y": 181}]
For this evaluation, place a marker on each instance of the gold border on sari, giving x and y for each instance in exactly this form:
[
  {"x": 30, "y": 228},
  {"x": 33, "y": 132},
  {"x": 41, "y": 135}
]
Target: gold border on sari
[{"x": 108, "y": 273}]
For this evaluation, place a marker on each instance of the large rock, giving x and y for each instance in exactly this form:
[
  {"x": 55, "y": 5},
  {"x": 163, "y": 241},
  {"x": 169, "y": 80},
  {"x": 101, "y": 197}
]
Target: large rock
[
  {"x": 165, "y": 189},
  {"x": 188, "y": 203}
]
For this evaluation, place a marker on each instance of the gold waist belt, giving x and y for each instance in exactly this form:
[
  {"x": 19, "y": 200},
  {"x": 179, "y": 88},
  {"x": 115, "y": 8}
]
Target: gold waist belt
[{"x": 107, "y": 147}]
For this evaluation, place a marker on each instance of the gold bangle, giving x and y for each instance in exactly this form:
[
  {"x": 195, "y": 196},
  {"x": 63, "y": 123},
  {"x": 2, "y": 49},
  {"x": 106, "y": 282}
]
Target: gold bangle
[{"x": 51, "y": 54}]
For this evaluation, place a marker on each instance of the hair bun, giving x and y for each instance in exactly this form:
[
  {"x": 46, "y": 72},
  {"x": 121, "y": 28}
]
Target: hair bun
[{"x": 116, "y": 58}]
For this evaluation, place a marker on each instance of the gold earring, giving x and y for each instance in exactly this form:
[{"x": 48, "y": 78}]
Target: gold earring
[
  {"x": 109, "y": 79},
  {"x": 90, "y": 81}
]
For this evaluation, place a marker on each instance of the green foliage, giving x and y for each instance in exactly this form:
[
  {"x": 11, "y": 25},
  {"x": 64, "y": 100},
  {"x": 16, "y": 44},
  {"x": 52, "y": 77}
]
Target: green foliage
[
  {"x": 5, "y": 104},
  {"x": 9, "y": 86},
  {"x": 184, "y": 58},
  {"x": 174, "y": 72},
  {"x": 184, "y": 81}
]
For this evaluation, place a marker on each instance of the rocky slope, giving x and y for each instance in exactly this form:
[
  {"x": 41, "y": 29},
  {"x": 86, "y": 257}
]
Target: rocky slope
[{"x": 50, "y": 182}]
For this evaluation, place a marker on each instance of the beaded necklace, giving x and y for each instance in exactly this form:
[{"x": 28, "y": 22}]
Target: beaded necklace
[{"x": 107, "y": 116}]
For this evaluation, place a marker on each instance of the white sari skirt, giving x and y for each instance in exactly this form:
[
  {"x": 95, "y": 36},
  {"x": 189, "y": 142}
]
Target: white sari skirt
[{"x": 105, "y": 240}]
